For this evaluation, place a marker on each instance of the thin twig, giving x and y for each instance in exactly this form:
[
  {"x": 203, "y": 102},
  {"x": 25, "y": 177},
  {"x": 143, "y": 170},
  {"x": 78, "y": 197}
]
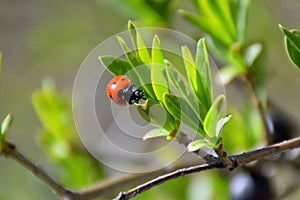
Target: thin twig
[
  {"x": 161, "y": 179},
  {"x": 240, "y": 159}
]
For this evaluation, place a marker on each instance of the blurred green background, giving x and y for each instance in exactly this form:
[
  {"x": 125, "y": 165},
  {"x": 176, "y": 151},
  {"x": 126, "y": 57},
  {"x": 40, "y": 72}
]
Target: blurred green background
[{"x": 40, "y": 39}]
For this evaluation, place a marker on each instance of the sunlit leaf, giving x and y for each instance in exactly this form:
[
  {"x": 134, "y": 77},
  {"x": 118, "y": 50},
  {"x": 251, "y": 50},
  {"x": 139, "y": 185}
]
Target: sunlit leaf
[
  {"x": 252, "y": 53},
  {"x": 138, "y": 43},
  {"x": 181, "y": 110},
  {"x": 158, "y": 70},
  {"x": 131, "y": 28},
  {"x": 240, "y": 10},
  {"x": 140, "y": 69},
  {"x": 209, "y": 26},
  {"x": 184, "y": 88},
  {"x": 213, "y": 116},
  {"x": 202, "y": 63},
  {"x": 53, "y": 111},
  {"x": 221, "y": 123},
  {"x": 156, "y": 133},
  {"x": 220, "y": 10},
  {"x": 244, "y": 130},
  {"x": 198, "y": 144},
  {"x": 156, "y": 115},
  {"x": 292, "y": 44},
  {"x": 5, "y": 126},
  {"x": 196, "y": 80},
  {"x": 228, "y": 73},
  {"x": 116, "y": 66}
]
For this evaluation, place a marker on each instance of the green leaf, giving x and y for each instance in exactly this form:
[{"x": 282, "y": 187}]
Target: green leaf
[
  {"x": 244, "y": 130},
  {"x": 220, "y": 10},
  {"x": 141, "y": 70},
  {"x": 202, "y": 63},
  {"x": 160, "y": 132},
  {"x": 138, "y": 43},
  {"x": 5, "y": 126},
  {"x": 183, "y": 87},
  {"x": 158, "y": 70},
  {"x": 252, "y": 53},
  {"x": 221, "y": 123},
  {"x": 116, "y": 66},
  {"x": 213, "y": 116},
  {"x": 132, "y": 31},
  {"x": 142, "y": 49},
  {"x": 292, "y": 44},
  {"x": 209, "y": 26},
  {"x": 196, "y": 79},
  {"x": 240, "y": 10},
  {"x": 54, "y": 112},
  {"x": 198, "y": 144},
  {"x": 156, "y": 115},
  {"x": 180, "y": 109}
]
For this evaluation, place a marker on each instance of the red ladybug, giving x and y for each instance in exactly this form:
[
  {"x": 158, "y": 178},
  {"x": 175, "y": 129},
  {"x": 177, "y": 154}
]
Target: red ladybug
[{"x": 120, "y": 91}]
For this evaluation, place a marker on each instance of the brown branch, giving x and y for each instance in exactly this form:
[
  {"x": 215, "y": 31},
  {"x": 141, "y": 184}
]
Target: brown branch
[
  {"x": 161, "y": 179},
  {"x": 240, "y": 159},
  {"x": 9, "y": 150}
]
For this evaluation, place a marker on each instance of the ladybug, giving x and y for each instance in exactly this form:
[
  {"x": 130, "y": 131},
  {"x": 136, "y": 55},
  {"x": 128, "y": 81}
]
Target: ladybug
[{"x": 120, "y": 91}]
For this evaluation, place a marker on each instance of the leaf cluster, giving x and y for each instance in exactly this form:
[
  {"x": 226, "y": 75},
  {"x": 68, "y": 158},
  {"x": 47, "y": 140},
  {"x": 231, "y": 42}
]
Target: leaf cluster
[{"x": 191, "y": 103}]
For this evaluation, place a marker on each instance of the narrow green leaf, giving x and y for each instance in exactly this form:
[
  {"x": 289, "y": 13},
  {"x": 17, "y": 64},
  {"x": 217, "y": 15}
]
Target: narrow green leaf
[
  {"x": 132, "y": 31},
  {"x": 138, "y": 43},
  {"x": 156, "y": 115},
  {"x": 141, "y": 70},
  {"x": 213, "y": 116},
  {"x": 180, "y": 109},
  {"x": 156, "y": 133},
  {"x": 132, "y": 58},
  {"x": 209, "y": 26},
  {"x": 221, "y": 123},
  {"x": 142, "y": 49},
  {"x": 292, "y": 44},
  {"x": 196, "y": 79},
  {"x": 202, "y": 62},
  {"x": 5, "y": 126},
  {"x": 158, "y": 70},
  {"x": 219, "y": 11},
  {"x": 252, "y": 53},
  {"x": 240, "y": 11},
  {"x": 53, "y": 111},
  {"x": 183, "y": 87},
  {"x": 116, "y": 66},
  {"x": 197, "y": 144}
]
